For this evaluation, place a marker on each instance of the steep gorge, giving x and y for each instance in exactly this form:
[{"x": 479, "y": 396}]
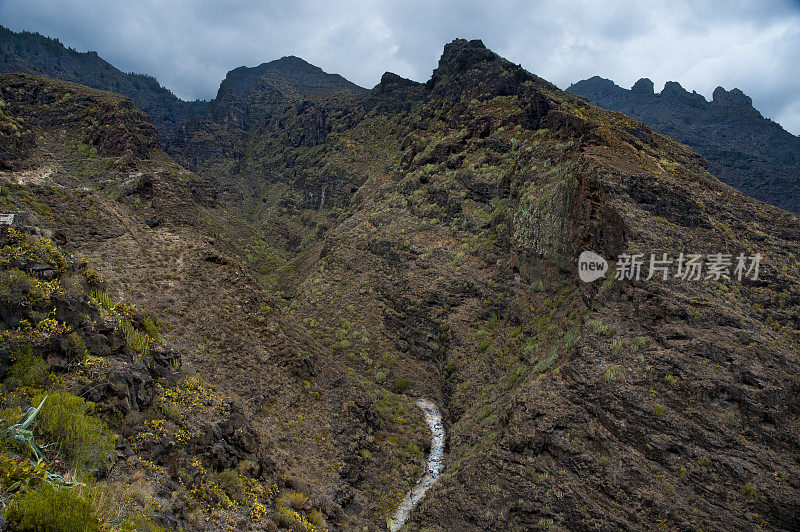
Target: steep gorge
[
  {"x": 441, "y": 264},
  {"x": 565, "y": 404}
]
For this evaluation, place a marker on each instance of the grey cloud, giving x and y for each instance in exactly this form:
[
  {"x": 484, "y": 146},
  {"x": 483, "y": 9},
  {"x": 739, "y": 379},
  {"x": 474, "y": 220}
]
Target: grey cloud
[{"x": 189, "y": 45}]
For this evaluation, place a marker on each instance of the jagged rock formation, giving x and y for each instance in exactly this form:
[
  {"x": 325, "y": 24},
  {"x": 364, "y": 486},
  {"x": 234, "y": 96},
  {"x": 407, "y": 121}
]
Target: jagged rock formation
[
  {"x": 744, "y": 149},
  {"x": 32, "y": 53},
  {"x": 419, "y": 240}
]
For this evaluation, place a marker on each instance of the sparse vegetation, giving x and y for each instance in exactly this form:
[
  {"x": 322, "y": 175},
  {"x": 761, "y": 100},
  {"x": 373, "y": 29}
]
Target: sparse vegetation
[
  {"x": 601, "y": 328},
  {"x": 364, "y": 250},
  {"x": 51, "y": 508},
  {"x": 615, "y": 373},
  {"x": 66, "y": 421},
  {"x": 748, "y": 490},
  {"x": 401, "y": 384}
]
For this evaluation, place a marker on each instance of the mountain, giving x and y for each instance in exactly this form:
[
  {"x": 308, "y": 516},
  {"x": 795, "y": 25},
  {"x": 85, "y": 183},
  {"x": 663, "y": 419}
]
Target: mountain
[
  {"x": 33, "y": 53},
  {"x": 744, "y": 149},
  {"x": 287, "y": 78},
  {"x": 247, "y": 142},
  {"x": 314, "y": 262}
]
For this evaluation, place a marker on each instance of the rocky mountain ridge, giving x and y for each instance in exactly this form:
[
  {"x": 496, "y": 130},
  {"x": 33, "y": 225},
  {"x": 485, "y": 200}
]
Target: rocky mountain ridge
[
  {"x": 33, "y": 53},
  {"x": 744, "y": 149}
]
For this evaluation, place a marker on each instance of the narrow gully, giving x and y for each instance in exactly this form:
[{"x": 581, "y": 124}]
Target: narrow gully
[{"x": 434, "y": 464}]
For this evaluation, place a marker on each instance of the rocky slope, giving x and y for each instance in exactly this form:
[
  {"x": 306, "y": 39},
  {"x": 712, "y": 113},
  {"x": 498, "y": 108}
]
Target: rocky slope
[
  {"x": 420, "y": 240},
  {"x": 744, "y": 149},
  {"x": 258, "y": 144},
  {"x": 245, "y": 111},
  {"x": 461, "y": 206},
  {"x": 95, "y": 180},
  {"x": 32, "y": 53}
]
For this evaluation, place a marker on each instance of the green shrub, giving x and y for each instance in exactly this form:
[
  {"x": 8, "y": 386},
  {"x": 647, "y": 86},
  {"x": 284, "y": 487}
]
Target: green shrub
[
  {"x": 52, "y": 509},
  {"x": 291, "y": 499},
  {"x": 292, "y": 520},
  {"x": 748, "y": 490},
  {"x": 401, "y": 384},
  {"x": 15, "y": 285},
  {"x": 28, "y": 371},
  {"x": 140, "y": 523},
  {"x": 103, "y": 299},
  {"x": 77, "y": 346},
  {"x": 571, "y": 336},
  {"x": 8, "y": 416},
  {"x": 19, "y": 474},
  {"x": 484, "y": 344},
  {"x": 233, "y": 484},
  {"x": 84, "y": 441},
  {"x": 547, "y": 362},
  {"x": 316, "y": 518},
  {"x": 601, "y": 328},
  {"x": 151, "y": 328},
  {"x": 616, "y": 346},
  {"x": 640, "y": 342},
  {"x": 137, "y": 341},
  {"x": 615, "y": 373}
]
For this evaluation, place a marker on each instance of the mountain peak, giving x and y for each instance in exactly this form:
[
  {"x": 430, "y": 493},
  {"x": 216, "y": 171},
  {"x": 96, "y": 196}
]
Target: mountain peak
[
  {"x": 644, "y": 86},
  {"x": 469, "y": 67},
  {"x": 461, "y": 56},
  {"x": 291, "y": 62},
  {"x": 289, "y": 73},
  {"x": 391, "y": 82},
  {"x": 464, "y": 53},
  {"x": 673, "y": 87},
  {"x": 732, "y": 98}
]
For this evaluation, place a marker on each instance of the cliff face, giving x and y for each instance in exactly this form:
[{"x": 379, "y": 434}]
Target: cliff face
[
  {"x": 744, "y": 149},
  {"x": 420, "y": 240}
]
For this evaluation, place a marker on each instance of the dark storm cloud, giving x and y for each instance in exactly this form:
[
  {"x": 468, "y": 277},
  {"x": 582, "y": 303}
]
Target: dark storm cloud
[{"x": 189, "y": 45}]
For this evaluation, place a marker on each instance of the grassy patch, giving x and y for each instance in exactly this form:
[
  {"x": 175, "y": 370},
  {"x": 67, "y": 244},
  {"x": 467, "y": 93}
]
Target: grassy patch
[{"x": 85, "y": 442}]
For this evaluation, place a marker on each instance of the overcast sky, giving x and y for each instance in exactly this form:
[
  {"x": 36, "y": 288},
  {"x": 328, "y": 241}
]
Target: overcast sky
[{"x": 189, "y": 45}]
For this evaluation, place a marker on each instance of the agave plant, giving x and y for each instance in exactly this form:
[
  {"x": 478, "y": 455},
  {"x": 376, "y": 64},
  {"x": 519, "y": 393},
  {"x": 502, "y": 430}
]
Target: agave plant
[{"x": 22, "y": 435}]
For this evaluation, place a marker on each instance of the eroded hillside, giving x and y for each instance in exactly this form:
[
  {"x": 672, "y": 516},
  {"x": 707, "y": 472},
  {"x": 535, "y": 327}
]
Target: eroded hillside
[
  {"x": 420, "y": 240},
  {"x": 96, "y": 181}
]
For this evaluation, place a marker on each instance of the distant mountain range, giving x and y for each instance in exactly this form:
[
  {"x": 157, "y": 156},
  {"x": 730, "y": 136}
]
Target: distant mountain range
[{"x": 744, "y": 149}]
